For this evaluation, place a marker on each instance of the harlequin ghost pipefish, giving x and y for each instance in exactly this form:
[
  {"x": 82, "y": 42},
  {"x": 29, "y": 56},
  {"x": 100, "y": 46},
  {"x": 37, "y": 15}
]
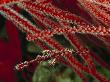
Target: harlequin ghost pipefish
[{"x": 69, "y": 21}]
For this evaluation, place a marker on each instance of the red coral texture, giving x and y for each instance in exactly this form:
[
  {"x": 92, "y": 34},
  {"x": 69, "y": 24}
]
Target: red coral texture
[{"x": 74, "y": 19}]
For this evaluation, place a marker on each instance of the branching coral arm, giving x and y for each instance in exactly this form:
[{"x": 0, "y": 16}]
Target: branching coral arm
[
  {"x": 99, "y": 15},
  {"x": 54, "y": 12}
]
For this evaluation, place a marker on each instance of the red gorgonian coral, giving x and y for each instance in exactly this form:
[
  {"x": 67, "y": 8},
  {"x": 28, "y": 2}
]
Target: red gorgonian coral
[{"x": 71, "y": 18}]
